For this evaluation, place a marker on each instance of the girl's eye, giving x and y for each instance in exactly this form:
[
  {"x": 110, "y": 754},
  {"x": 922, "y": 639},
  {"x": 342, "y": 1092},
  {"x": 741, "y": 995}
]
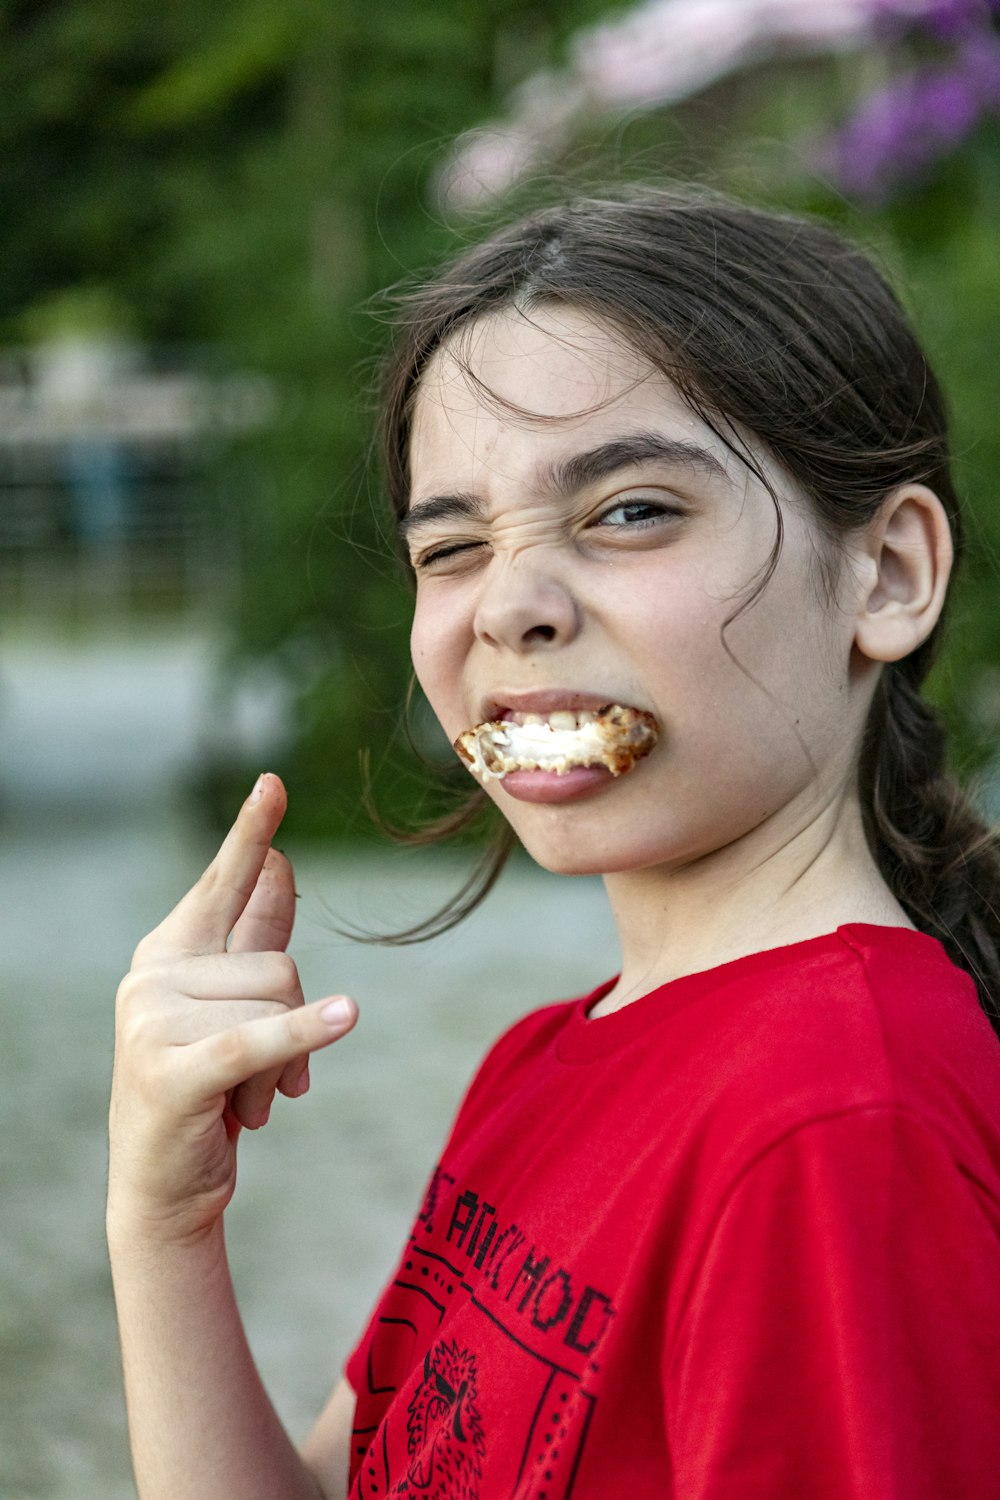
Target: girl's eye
[
  {"x": 636, "y": 513},
  {"x": 446, "y": 552}
]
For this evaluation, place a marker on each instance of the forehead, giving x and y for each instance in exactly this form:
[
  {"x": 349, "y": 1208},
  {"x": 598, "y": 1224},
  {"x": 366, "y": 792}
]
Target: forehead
[
  {"x": 523, "y": 385},
  {"x": 571, "y": 360}
]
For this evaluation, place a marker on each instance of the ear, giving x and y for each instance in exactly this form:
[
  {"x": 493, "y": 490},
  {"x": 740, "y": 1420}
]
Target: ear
[{"x": 906, "y": 554}]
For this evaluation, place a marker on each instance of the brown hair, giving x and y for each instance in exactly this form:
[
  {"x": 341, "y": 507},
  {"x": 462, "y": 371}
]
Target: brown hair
[{"x": 777, "y": 326}]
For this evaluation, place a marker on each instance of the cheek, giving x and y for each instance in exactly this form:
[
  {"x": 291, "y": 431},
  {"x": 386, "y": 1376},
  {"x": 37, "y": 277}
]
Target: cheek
[
  {"x": 789, "y": 701},
  {"x": 422, "y": 653},
  {"x": 436, "y": 656},
  {"x": 670, "y": 629}
]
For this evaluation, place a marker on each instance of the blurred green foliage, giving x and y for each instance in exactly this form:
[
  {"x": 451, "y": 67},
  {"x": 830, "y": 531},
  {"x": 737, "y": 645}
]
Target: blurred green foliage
[{"x": 247, "y": 175}]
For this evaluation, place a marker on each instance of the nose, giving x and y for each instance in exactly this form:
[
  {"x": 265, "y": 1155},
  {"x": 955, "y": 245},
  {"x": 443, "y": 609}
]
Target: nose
[{"x": 524, "y": 608}]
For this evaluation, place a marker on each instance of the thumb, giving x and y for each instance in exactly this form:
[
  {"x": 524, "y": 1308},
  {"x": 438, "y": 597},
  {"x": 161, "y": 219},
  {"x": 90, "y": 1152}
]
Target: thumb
[{"x": 265, "y": 924}]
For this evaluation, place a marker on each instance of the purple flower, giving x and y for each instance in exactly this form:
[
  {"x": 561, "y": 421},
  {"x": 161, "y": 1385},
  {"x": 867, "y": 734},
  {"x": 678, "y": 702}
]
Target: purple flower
[
  {"x": 951, "y": 19},
  {"x": 979, "y": 58},
  {"x": 951, "y": 107},
  {"x": 904, "y": 128},
  {"x": 945, "y": 20},
  {"x": 898, "y": 132}
]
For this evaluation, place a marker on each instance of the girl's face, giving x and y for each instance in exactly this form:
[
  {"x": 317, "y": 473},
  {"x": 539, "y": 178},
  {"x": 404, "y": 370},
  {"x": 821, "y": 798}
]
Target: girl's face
[{"x": 580, "y": 537}]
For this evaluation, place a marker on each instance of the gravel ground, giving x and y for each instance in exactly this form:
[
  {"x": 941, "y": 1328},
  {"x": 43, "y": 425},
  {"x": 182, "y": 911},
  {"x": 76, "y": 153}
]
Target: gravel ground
[{"x": 93, "y": 850}]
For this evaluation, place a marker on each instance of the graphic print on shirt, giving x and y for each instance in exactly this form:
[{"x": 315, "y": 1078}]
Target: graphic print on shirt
[
  {"x": 444, "y": 1428},
  {"x": 483, "y": 1352}
]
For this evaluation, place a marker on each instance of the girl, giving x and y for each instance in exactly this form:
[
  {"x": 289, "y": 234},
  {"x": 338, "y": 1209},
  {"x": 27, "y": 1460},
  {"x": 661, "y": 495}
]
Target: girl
[{"x": 672, "y": 480}]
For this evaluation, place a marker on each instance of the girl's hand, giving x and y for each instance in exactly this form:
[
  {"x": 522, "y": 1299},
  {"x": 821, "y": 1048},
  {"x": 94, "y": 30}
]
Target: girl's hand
[{"x": 205, "y": 1033}]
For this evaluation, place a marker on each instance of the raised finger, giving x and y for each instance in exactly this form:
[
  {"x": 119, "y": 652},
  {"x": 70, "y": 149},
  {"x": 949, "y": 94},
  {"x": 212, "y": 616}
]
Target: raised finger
[{"x": 203, "y": 919}]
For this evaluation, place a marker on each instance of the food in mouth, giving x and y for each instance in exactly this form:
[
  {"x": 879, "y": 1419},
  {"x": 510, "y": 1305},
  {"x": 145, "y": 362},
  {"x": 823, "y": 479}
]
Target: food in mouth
[{"x": 614, "y": 737}]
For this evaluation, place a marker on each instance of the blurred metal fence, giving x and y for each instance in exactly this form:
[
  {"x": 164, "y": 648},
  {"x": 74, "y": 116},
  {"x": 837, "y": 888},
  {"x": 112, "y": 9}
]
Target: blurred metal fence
[{"x": 105, "y": 500}]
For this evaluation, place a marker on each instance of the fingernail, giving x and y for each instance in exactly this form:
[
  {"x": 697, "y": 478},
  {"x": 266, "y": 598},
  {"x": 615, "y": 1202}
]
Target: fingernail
[
  {"x": 338, "y": 1012},
  {"x": 258, "y": 789},
  {"x": 301, "y": 1084}
]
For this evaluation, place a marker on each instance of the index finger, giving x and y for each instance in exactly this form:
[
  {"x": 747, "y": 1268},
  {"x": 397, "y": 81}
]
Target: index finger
[{"x": 203, "y": 919}]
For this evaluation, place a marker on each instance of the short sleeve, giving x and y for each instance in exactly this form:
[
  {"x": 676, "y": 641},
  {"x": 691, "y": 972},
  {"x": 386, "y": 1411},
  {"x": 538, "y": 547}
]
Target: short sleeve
[
  {"x": 520, "y": 1040},
  {"x": 842, "y": 1336}
]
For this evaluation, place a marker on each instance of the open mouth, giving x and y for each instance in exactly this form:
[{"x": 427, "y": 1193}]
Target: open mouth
[{"x": 615, "y": 737}]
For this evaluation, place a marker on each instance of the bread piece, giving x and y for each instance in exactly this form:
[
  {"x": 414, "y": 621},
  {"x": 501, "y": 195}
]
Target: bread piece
[{"x": 615, "y": 737}]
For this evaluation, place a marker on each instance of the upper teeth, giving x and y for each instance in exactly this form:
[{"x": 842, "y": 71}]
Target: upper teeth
[{"x": 561, "y": 718}]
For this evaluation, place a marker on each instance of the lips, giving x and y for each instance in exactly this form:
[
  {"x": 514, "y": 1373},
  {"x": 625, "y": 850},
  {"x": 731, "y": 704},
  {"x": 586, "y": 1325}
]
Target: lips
[{"x": 563, "y": 739}]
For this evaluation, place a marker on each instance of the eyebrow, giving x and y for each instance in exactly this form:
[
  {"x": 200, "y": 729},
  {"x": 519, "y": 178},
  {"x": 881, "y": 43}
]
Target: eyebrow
[{"x": 576, "y": 473}]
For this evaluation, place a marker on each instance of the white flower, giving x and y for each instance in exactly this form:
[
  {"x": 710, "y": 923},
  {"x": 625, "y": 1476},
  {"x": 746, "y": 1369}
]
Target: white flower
[{"x": 660, "y": 52}]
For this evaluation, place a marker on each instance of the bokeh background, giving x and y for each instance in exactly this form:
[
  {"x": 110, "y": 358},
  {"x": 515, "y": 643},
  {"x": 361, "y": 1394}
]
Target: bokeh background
[{"x": 203, "y": 209}]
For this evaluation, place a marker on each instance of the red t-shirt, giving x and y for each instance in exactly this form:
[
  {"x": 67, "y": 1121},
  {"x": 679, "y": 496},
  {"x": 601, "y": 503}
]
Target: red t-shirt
[{"x": 740, "y": 1239}]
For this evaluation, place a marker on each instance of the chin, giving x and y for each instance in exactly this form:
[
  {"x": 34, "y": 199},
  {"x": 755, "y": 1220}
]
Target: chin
[
  {"x": 566, "y": 852},
  {"x": 564, "y": 864}
]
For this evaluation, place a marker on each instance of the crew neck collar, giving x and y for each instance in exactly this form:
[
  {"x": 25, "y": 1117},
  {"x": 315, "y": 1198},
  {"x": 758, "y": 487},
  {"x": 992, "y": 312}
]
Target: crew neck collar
[{"x": 587, "y": 1039}]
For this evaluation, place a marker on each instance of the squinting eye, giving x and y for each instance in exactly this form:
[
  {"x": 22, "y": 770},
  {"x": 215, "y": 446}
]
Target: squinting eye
[
  {"x": 444, "y": 553},
  {"x": 636, "y": 513}
]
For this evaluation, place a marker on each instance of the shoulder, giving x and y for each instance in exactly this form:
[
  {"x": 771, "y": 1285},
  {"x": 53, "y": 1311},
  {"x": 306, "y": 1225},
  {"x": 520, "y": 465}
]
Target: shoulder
[
  {"x": 902, "y": 968},
  {"x": 870, "y": 1009},
  {"x": 870, "y": 1018},
  {"x": 907, "y": 1025},
  {"x": 936, "y": 1054}
]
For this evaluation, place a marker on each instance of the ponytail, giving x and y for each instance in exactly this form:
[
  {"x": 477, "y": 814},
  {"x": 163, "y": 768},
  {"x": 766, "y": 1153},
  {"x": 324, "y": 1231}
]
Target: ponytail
[{"x": 939, "y": 858}]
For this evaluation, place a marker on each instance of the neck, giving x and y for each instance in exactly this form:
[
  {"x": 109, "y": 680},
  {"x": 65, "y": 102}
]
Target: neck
[{"x": 768, "y": 889}]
